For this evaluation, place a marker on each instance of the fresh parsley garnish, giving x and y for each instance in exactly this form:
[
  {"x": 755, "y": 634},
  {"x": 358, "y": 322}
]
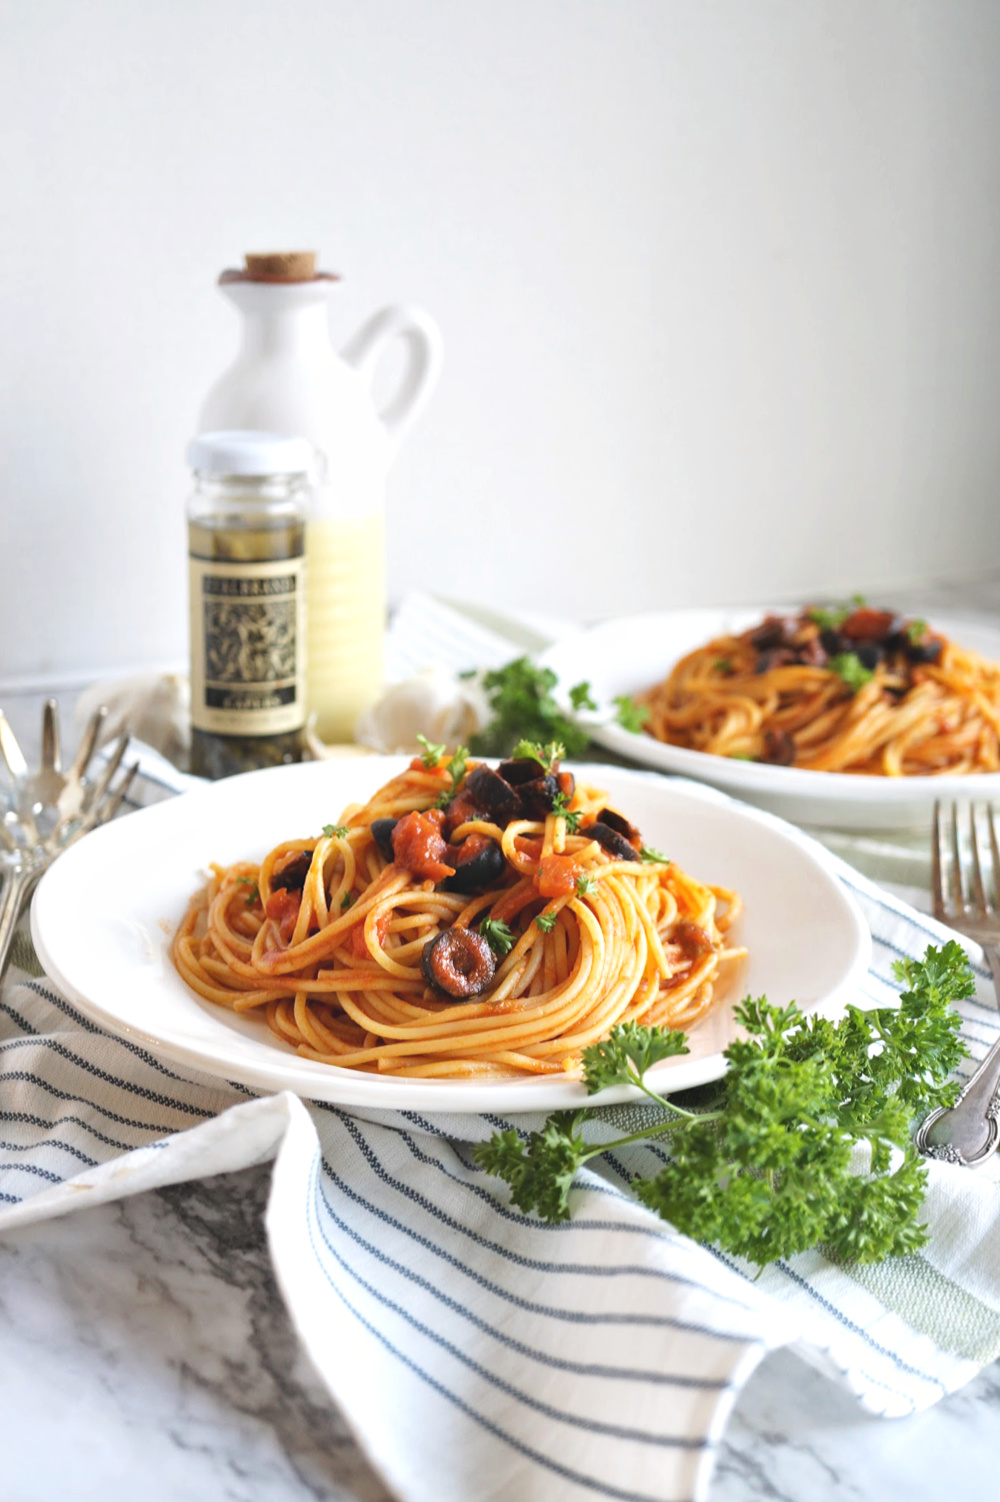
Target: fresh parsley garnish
[
  {"x": 254, "y": 892},
  {"x": 585, "y": 884},
  {"x": 548, "y": 756},
  {"x": 581, "y": 697},
  {"x": 630, "y": 715},
  {"x": 723, "y": 664},
  {"x": 848, "y": 665},
  {"x": 497, "y": 935},
  {"x": 832, "y": 617},
  {"x": 346, "y": 901},
  {"x": 917, "y": 630},
  {"x": 653, "y": 857},
  {"x": 562, "y": 811},
  {"x": 335, "y": 831},
  {"x": 456, "y": 771},
  {"x": 431, "y": 754},
  {"x": 546, "y": 922},
  {"x": 768, "y": 1167},
  {"x": 523, "y": 706}
]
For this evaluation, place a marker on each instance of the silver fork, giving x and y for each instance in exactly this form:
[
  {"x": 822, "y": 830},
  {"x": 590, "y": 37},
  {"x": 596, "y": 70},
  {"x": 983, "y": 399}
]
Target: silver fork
[
  {"x": 49, "y": 809},
  {"x": 968, "y": 1132}
]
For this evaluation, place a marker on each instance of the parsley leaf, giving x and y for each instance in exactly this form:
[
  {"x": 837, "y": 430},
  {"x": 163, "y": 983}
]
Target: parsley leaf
[
  {"x": 917, "y": 630},
  {"x": 581, "y": 697},
  {"x": 773, "y": 1168},
  {"x": 723, "y": 665},
  {"x": 546, "y": 922},
  {"x": 653, "y": 857},
  {"x": 627, "y": 1052},
  {"x": 497, "y": 935},
  {"x": 335, "y": 831},
  {"x": 540, "y": 1172},
  {"x": 456, "y": 771},
  {"x": 630, "y": 715},
  {"x": 832, "y": 617},
  {"x": 523, "y": 705},
  {"x": 560, "y": 807},
  {"x": 254, "y": 893},
  {"x": 585, "y": 884},
  {"x": 346, "y": 901},
  {"x": 431, "y": 754},
  {"x": 547, "y": 756},
  {"x": 848, "y": 665}
]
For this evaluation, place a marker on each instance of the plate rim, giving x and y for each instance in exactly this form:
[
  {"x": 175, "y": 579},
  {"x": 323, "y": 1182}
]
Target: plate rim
[{"x": 353, "y": 1090}]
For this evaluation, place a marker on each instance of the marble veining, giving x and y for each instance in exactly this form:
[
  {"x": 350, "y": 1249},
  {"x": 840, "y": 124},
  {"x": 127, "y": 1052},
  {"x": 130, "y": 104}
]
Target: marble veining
[{"x": 144, "y": 1350}]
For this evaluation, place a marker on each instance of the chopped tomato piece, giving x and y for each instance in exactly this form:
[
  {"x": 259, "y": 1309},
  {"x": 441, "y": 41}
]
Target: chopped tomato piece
[
  {"x": 283, "y": 907},
  {"x": 868, "y": 625},
  {"x": 557, "y": 875},
  {"x": 359, "y": 949},
  {"x": 418, "y": 846}
]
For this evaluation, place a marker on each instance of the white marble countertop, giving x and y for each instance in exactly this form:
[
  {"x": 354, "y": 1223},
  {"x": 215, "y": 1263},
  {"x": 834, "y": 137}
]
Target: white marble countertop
[{"x": 144, "y": 1350}]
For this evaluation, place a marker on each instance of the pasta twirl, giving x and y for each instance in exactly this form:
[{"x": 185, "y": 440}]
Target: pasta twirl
[{"x": 328, "y": 939}]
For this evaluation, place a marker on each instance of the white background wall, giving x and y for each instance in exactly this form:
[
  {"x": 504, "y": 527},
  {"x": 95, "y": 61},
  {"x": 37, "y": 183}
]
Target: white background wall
[{"x": 718, "y": 281}]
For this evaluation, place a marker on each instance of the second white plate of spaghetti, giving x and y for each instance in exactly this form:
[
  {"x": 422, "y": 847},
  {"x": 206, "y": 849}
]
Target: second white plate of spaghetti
[
  {"x": 631, "y": 654},
  {"x": 105, "y": 916}
]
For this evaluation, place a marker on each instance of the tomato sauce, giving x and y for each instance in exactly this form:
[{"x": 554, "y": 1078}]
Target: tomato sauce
[{"x": 356, "y": 936}]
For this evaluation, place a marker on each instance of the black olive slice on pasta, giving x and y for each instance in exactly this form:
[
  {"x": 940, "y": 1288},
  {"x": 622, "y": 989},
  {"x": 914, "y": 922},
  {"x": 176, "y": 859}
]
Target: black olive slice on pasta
[
  {"x": 382, "y": 835},
  {"x": 538, "y": 796},
  {"x": 292, "y": 876},
  {"x": 621, "y": 825},
  {"x": 479, "y": 871},
  {"x": 493, "y": 794},
  {"x": 519, "y": 769},
  {"x": 458, "y": 963},
  {"x": 614, "y": 843}
]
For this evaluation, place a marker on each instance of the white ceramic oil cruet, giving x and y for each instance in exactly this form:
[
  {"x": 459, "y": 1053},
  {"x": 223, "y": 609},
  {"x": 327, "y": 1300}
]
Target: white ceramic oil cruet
[{"x": 287, "y": 378}]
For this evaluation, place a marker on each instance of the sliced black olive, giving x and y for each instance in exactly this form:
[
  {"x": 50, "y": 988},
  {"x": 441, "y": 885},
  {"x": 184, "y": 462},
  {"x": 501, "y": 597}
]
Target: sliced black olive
[
  {"x": 869, "y": 654},
  {"x": 614, "y": 843},
  {"x": 292, "y": 876},
  {"x": 831, "y": 641},
  {"x": 538, "y": 796},
  {"x": 477, "y": 873},
  {"x": 382, "y": 835},
  {"x": 770, "y": 633},
  {"x": 924, "y": 651},
  {"x": 618, "y": 822},
  {"x": 779, "y": 748},
  {"x": 458, "y": 963},
  {"x": 778, "y": 657},
  {"x": 520, "y": 769},
  {"x": 492, "y": 794}
]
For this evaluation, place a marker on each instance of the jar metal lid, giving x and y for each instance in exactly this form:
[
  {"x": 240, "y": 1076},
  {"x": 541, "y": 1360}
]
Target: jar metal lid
[{"x": 246, "y": 452}]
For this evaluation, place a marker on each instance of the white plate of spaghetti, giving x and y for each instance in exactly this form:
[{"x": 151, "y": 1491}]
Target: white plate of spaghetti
[
  {"x": 850, "y": 717},
  {"x": 236, "y": 930}
]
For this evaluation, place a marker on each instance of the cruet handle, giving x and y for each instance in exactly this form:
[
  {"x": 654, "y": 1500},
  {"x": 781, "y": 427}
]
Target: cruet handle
[{"x": 425, "y": 349}]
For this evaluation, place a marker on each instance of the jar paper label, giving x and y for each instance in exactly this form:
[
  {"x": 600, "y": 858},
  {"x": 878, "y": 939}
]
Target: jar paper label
[{"x": 248, "y": 640}]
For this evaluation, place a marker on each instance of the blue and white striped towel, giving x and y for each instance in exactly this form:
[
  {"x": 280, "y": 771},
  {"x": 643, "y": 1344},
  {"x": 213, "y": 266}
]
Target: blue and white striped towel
[{"x": 478, "y": 1353}]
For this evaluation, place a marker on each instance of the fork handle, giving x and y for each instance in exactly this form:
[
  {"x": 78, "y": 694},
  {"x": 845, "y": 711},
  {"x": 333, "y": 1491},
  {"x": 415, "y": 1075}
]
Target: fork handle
[
  {"x": 967, "y": 1133},
  {"x": 16, "y": 890}
]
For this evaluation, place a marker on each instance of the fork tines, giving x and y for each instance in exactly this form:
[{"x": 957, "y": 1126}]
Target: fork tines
[{"x": 961, "y": 896}]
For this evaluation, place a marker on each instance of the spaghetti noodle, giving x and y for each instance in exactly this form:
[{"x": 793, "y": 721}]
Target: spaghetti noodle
[
  {"x": 852, "y": 690},
  {"x": 378, "y": 964}
]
